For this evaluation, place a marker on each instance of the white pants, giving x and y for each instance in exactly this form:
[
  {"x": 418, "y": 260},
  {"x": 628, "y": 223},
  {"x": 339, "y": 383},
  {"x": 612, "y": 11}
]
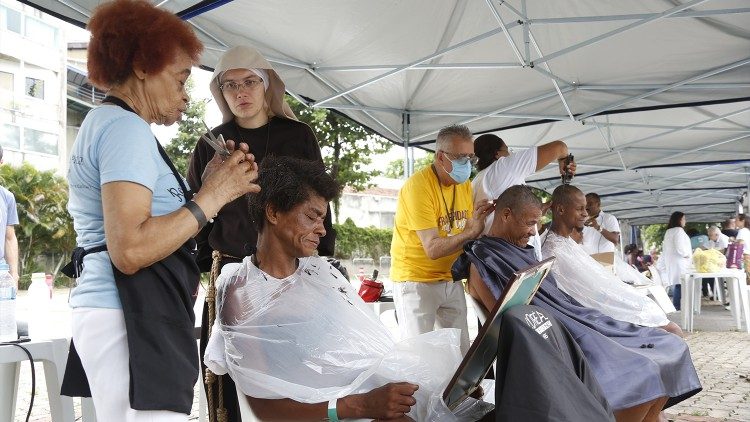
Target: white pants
[
  {"x": 423, "y": 307},
  {"x": 101, "y": 342}
]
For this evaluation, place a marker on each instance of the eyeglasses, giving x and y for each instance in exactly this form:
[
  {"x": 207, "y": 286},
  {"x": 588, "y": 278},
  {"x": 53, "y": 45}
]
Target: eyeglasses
[
  {"x": 232, "y": 86},
  {"x": 462, "y": 158}
]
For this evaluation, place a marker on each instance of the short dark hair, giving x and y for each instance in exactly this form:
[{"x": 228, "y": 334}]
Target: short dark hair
[
  {"x": 674, "y": 219},
  {"x": 485, "y": 148},
  {"x": 286, "y": 182},
  {"x": 594, "y": 196},
  {"x": 562, "y": 194},
  {"x": 741, "y": 217},
  {"x": 631, "y": 248},
  {"x": 516, "y": 198}
]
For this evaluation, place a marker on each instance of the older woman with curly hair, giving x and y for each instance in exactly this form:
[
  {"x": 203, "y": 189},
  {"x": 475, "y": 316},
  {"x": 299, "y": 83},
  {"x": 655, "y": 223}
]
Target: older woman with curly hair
[{"x": 135, "y": 220}]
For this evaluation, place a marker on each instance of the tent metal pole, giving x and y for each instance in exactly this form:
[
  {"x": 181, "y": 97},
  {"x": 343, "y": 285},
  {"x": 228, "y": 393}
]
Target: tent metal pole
[
  {"x": 510, "y": 7},
  {"x": 525, "y": 31},
  {"x": 665, "y": 88},
  {"x": 726, "y": 141},
  {"x": 647, "y": 126},
  {"x": 554, "y": 82},
  {"x": 631, "y": 87},
  {"x": 500, "y": 110},
  {"x": 417, "y": 62},
  {"x": 628, "y": 27},
  {"x": 500, "y": 22},
  {"x": 688, "y": 127},
  {"x": 426, "y": 66},
  {"x": 409, "y": 157},
  {"x": 367, "y": 113},
  {"x": 555, "y": 77},
  {"x": 439, "y": 113},
  {"x": 609, "y": 18}
]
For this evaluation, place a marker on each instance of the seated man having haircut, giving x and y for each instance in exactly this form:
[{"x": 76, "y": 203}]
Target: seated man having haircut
[
  {"x": 584, "y": 279},
  {"x": 641, "y": 370},
  {"x": 301, "y": 344}
]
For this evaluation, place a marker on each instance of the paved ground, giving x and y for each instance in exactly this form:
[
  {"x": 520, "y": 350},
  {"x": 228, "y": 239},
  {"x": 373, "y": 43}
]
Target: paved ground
[{"x": 721, "y": 355}]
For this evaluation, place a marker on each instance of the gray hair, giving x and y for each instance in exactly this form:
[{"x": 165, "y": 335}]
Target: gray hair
[
  {"x": 517, "y": 198},
  {"x": 713, "y": 229},
  {"x": 448, "y": 133}
]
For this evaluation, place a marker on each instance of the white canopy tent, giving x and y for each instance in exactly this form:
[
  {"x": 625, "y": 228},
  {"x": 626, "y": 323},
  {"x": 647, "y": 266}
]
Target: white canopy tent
[{"x": 652, "y": 96}]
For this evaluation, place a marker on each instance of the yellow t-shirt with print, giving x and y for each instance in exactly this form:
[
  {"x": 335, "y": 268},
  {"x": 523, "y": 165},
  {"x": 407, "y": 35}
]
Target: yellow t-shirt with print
[{"x": 424, "y": 203}]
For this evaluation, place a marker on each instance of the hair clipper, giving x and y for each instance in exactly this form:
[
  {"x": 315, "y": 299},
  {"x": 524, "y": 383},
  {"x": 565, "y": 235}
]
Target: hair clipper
[{"x": 567, "y": 176}]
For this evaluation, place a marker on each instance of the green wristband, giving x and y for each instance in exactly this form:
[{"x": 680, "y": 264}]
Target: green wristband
[{"x": 333, "y": 415}]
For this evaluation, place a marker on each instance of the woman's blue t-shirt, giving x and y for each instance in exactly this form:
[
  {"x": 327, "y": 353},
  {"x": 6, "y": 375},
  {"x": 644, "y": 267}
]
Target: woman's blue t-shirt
[{"x": 113, "y": 145}]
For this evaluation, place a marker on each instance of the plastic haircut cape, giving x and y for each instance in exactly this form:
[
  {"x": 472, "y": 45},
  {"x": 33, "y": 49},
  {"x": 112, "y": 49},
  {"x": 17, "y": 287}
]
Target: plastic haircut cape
[
  {"x": 311, "y": 338},
  {"x": 587, "y": 281}
]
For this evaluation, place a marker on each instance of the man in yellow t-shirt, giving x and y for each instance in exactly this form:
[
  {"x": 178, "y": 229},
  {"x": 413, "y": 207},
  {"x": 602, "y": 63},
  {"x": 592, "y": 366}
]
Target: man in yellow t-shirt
[{"x": 434, "y": 218}]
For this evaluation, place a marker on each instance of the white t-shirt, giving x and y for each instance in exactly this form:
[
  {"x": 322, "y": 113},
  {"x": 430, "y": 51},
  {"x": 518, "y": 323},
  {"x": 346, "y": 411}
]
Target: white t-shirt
[
  {"x": 502, "y": 174},
  {"x": 744, "y": 235},
  {"x": 722, "y": 242},
  {"x": 593, "y": 241}
]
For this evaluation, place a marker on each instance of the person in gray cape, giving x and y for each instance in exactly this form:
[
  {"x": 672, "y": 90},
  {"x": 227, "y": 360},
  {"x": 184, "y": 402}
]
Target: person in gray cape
[{"x": 642, "y": 370}]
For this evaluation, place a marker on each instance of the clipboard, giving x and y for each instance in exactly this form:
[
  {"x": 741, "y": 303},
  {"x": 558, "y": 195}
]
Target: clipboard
[{"x": 520, "y": 289}]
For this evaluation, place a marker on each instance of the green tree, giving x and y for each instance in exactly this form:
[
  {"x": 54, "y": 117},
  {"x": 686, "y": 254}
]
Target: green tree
[
  {"x": 347, "y": 147},
  {"x": 653, "y": 234},
  {"x": 395, "y": 169},
  {"x": 45, "y": 228},
  {"x": 190, "y": 129}
]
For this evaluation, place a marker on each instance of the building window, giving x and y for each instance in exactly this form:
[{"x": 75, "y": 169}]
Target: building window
[
  {"x": 10, "y": 136},
  {"x": 6, "y": 82},
  {"x": 35, "y": 88},
  {"x": 10, "y": 19},
  {"x": 38, "y": 141},
  {"x": 40, "y": 32}
]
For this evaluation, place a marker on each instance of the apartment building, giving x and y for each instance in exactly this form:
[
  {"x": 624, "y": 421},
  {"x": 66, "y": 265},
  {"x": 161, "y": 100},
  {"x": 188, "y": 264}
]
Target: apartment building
[{"x": 32, "y": 98}]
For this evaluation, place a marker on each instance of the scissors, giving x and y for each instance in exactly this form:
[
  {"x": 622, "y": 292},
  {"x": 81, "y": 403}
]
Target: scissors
[{"x": 216, "y": 143}]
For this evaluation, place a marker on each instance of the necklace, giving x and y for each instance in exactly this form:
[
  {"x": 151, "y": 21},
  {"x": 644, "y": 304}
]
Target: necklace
[
  {"x": 268, "y": 136},
  {"x": 451, "y": 213}
]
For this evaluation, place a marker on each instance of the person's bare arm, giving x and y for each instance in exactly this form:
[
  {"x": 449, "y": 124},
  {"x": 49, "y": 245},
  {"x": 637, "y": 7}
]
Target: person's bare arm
[
  {"x": 612, "y": 236},
  {"x": 437, "y": 247},
  {"x": 478, "y": 290},
  {"x": 136, "y": 239},
  {"x": 11, "y": 252},
  {"x": 390, "y": 401},
  {"x": 554, "y": 151}
]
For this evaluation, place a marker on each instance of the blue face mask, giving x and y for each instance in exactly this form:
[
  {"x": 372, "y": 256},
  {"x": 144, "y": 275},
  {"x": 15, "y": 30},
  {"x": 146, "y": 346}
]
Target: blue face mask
[{"x": 461, "y": 171}]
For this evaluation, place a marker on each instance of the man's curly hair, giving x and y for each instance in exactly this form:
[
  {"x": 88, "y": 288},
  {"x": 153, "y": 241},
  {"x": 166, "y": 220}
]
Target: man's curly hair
[{"x": 286, "y": 182}]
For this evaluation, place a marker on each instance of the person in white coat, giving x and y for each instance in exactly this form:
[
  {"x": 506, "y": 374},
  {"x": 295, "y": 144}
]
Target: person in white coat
[{"x": 676, "y": 254}]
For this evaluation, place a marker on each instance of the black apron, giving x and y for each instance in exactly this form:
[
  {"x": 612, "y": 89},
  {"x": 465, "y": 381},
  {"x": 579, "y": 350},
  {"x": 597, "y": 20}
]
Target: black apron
[{"x": 157, "y": 303}]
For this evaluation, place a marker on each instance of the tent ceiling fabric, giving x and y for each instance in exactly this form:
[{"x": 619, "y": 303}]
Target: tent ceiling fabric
[{"x": 569, "y": 69}]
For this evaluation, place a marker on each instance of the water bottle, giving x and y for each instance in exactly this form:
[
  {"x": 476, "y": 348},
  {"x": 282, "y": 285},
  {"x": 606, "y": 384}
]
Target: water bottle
[
  {"x": 50, "y": 283},
  {"x": 39, "y": 307},
  {"x": 8, "y": 327}
]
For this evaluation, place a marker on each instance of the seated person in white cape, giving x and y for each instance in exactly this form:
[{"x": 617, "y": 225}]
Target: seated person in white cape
[
  {"x": 587, "y": 281},
  {"x": 301, "y": 344}
]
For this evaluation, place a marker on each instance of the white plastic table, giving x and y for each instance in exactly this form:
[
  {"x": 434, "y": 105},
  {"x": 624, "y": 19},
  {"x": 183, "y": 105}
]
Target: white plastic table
[
  {"x": 738, "y": 296},
  {"x": 381, "y": 307},
  {"x": 54, "y": 355}
]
